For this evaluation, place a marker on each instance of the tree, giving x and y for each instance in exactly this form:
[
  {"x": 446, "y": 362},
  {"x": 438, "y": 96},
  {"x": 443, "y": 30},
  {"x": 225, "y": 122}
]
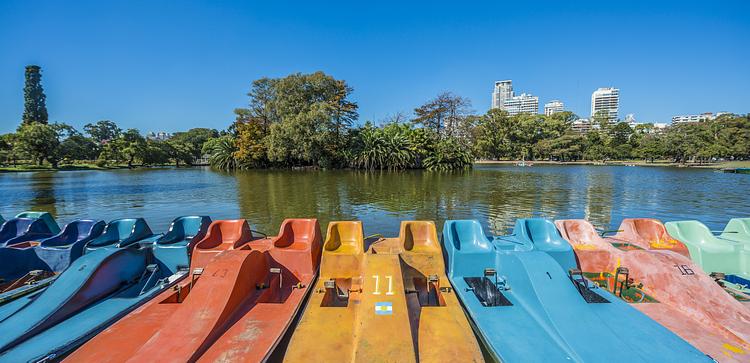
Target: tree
[
  {"x": 134, "y": 146},
  {"x": 7, "y": 151},
  {"x": 444, "y": 114},
  {"x": 192, "y": 141},
  {"x": 34, "y": 100},
  {"x": 37, "y": 140},
  {"x": 311, "y": 113},
  {"x": 103, "y": 131},
  {"x": 221, "y": 151},
  {"x": 251, "y": 148},
  {"x": 493, "y": 135}
]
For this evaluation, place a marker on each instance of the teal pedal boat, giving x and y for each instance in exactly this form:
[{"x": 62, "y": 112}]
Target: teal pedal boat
[
  {"x": 525, "y": 307},
  {"x": 725, "y": 257},
  {"x": 118, "y": 272}
]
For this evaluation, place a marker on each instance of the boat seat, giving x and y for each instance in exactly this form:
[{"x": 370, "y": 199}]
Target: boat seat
[
  {"x": 468, "y": 237},
  {"x": 419, "y": 237},
  {"x": 344, "y": 238},
  {"x": 295, "y": 234},
  {"x": 222, "y": 235}
]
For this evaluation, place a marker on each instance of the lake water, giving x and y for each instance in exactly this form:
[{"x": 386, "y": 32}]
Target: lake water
[{"x": 494, "y": 194}]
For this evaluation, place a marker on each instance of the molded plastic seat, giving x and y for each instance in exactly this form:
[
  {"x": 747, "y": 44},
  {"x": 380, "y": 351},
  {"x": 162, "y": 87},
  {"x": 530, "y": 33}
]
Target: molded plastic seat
[
  {"x": 344, "y": 237},
  {"x": 738, "y": 229},
  {"x": 544, "y": 236},
  {"x": 713, "y": 254},
  {"x": 122, "y": 233},
  {"x": 175, "y": 246},
  {"x": 18, "y": 230},
  {"x": 296, "y": 234},
  {"x": 648, "y": 233},
  {"x": 60, "y": 250},
  {"x": 419, "y": 237},
  {"x": 45, "y": 216},
  {"x": 222, "y": 235}
]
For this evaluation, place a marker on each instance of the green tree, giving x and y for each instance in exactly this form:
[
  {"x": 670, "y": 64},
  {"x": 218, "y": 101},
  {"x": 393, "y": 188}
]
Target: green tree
[
  {"x": 133, "y": 146},
  {"x": 38, "y": 141},
  {"x": 34, "y": 100},
  {"x": 443, "y": 114},
  {"x": 193, "y": 140},
  {"x": 103, "y": 131},
  {"x": 221, "y": 151}
]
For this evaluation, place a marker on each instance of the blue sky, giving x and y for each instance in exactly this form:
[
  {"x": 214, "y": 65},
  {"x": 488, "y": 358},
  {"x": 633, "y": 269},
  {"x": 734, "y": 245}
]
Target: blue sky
[{"x": 173, "y": 65}]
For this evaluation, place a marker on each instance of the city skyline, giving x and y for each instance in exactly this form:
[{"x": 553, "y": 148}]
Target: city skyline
[{"x": 138, "y": 71}]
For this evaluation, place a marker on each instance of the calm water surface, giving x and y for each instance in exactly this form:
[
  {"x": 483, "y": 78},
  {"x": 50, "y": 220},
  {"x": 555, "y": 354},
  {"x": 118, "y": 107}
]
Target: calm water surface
[{"x": 496, "y": 195}]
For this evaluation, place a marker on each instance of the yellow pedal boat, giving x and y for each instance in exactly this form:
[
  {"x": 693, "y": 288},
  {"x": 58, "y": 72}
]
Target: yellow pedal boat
[{"x": 383, "y": 300}]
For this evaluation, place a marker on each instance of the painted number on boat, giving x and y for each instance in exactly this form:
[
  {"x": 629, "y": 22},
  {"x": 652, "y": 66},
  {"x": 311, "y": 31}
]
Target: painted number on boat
[
  {"x": 220, "y": 273},
  {"x": 377, "y": 284},
  {"x": 685, "y": 269}
]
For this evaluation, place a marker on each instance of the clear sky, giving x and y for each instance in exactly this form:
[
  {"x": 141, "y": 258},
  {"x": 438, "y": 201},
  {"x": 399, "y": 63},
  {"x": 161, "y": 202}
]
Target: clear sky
[{"x": 173, "y": 65}]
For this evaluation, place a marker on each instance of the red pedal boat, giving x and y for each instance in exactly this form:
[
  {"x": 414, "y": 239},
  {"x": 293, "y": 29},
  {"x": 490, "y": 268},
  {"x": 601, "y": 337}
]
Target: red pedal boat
[{"x": 241, "y": 297}]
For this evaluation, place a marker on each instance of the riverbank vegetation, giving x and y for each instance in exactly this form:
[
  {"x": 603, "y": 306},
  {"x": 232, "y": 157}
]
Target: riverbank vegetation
[{"x": 310, "y": 121}]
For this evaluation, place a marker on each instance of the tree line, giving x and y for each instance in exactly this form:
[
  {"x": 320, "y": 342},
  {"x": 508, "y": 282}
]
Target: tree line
[{"x": 309, "y": 120}]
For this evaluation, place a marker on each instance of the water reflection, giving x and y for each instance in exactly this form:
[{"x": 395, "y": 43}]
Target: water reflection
[{"x": 496, "y": 195}]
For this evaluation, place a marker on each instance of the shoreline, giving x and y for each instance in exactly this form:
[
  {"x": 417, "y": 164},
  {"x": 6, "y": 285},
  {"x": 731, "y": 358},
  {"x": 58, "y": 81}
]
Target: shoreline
[
  {"x": 661, "y": 163},
  {"x": 658, "y": 163}
]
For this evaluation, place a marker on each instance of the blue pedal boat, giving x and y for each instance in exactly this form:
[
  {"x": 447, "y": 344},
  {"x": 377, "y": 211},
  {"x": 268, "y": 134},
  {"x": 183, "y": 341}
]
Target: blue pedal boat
[
  {"x": 527, "y": 307},
  {"x": 116, "y": 274},
  {"x": 44, "y": 216},
  {"x": 47, "y": 256},
  {"x": 19, "y": 230}
]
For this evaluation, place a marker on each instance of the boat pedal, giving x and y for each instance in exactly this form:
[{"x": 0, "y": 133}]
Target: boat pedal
[
  {"x": 276, "y": 270},
  {"x": 486, "y": 291},
  {"x": 197, "y": 272}
]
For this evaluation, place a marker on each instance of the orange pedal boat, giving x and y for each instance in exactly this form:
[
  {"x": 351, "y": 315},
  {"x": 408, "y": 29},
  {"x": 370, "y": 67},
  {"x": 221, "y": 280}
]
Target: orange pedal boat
[
  {"x": 241, "y": 297},
  {"x": 392, "y": 303},
  {"x": 646, "y": 267}
]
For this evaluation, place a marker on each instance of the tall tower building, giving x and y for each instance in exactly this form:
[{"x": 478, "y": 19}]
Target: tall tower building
[
  {"x": 606, "y": 100},
  {"x": 503, "y": 91},
  {"x": 553, "y": 106}
]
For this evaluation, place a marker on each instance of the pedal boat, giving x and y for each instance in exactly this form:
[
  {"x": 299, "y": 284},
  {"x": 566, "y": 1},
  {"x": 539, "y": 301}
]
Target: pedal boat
[
  {"x": 666, "y": 286},
  {"x": 108, "y": 281},
  {"x": 527, "y": 308},
  {"x": 19, "y": 231},
  {"x": 27, "y": 266},
  {"x": 392, "y": 303},
  {"x": 725, "y": 256},
  {"x": 241, "y": 297}
]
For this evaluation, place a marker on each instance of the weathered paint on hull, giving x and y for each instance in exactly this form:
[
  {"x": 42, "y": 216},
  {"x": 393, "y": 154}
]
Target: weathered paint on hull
[
  {"x": 690, "y": 303},
  {"x": 392, "y": 303},
  {"x": 234, "y": 307}
]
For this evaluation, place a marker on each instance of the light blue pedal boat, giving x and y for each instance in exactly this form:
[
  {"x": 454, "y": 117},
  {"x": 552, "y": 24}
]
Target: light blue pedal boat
[
  {"x": 119, "y": 271},
  {"x": 529, "y": 303}
]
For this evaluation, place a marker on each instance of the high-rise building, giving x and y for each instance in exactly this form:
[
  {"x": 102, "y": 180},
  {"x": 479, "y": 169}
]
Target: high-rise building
[
  {"x": 606, "y": 100},
  {"x": 504, "y": 98},
  {"x": 553, "y": 106},
  {"x": 503, "y": 91},
  {"x": 525, "y": 103}
]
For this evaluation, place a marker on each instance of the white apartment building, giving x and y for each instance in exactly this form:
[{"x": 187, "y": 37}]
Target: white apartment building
[
  {"x": 503, "y": 91},
  {"x": 553, "y": 106},
  {"x": 524, "y": 103},
  {"x": 504, "y": 98},
  {"x": 681, "y": 119},
  {"x": 606, "y": 100},
  {"x": 581, "y": 125}
]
